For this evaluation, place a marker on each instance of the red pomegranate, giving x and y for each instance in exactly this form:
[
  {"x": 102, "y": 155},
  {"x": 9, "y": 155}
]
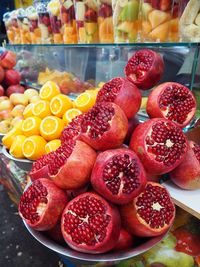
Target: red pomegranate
[
  {"x": 2, "y": 74},
  {"x": 149, "y": 214},
  {"x": 187, "y": 174},
  {"x": 17, "y": 88},
  {"x": 56, "y": 234},
  {"x": 132, "y": 124},
  {"x": 76, "y": 192},
  {"x": 90, "y": 224},
  {"x": 125, "y": 240},
  {"x": 123, "y": 93},
  {"x": 12, "y": 77},
  {"x": 104, "y": 126},
  {"x": 172, "y": 101},
  {"x": 42, "y": 204},
  {"x": 145, "y": 68},
  {"x": 8, "y": 60},
  {"x": 160, "y": 144},
  {"x": 1, "y": 91},
  {"x": 118, "y": 175}
]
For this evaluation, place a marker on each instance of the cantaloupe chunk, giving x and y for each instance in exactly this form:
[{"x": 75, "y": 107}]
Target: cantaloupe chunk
[
  {"x": 146, "y": 27},
  {"x": 174, "y": 25},
  {"x": 157, "y": 17},
  {"x": 82, "y": 35},
  {"x": 160, "y": 33},
  {"x": 57, "y": 37}
]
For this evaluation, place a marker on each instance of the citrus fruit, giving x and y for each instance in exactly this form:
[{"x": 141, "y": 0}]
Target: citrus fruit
[
  {"x": 31, "y": 126},
  {"x": 31, "y": 93},
  {"x": 41, "y": 109},
  {"x": 70, "y": 114},
  {"x": 34, "y": 99},
  {"x": 8, "y": 139},
  {"x": 84, "y": 101},
  {"x": 52, "y": 145},
  {"x": 59, "y": 104},
  {"x": 51, "y": 127},
  {"x": 49, "y": 90},
  {"x": 16, "y": 147},
  {"x": 28, "y": 111},
  {"x": 34, "y": 147}
]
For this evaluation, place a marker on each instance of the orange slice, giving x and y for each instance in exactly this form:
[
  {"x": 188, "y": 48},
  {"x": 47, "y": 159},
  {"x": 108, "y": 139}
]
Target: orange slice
[
  {"x": 41, "y": 109},
  {"x": 51, "y": 128},
  {"x": 16, "y": 147},
  {"x": 28, "y": 111},
  {"x": 34, "y": 147},
  {"x": 70, "y": 114},
  {"x": 59, "y": 104},
  {"x": 8, "y": 139},
  {"x": 49, "y": 90},
  {"x": 84, "y": 102},
  {"x": 31, "y": 126},
  {"x": 52, "y": 145}
]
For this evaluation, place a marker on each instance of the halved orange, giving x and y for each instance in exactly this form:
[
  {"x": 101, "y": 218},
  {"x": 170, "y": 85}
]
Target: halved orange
[
  {"x": 59, "y": 104},
  {"x": 70, "y": 114},
  {"x": 51, "y": 128},
  {"x": 31, "y": 126},
  {"x": 49, "y": 90},
  {"x": 34, "y": 147},
  {"x": 8, "y": 139},
  {"x": 84, "y": 101},
  {"x": 28, "y": 111},
  {"x": 52, "y": 145},
  {"x": 16, "y": 147},
  {"x": 41, "y": 109}
]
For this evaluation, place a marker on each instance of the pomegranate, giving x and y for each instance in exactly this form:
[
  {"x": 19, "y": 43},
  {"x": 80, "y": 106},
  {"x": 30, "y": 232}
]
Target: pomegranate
[
  {"x": 90, "y": 224},
  {"x": 1, "y": 91},
  {"x": 12, "y": 77},
  {"x": 187, "y": 174},
  {"x": 2, "y": 74},
  {"x": 104, "y": 126},
  {"x": 56, "y": 234},
  {"x": 42, "y": 204},
  {"x": 72, "y": 164},
  {"x": 74, "y": 193},
  {"x": 125, "y": 240},
  {"x": 123, "y": 93},
  {"x": 145, "y": 68},
  {"x": 8, "y": 60},
  {"x": 160, "y": 144},
  {"x": 151, "y": 213},
  {"x": 132, "y": 124},
  {"x": 118, "y": 175},
  {"x": 17, "y": 88},
  {"x": 172, "y": 101}
]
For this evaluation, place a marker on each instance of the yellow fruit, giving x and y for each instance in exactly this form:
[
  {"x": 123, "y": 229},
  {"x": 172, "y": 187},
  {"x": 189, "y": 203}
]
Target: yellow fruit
[
  {"x": 16, "y": 121},
  {"x": 84, "y": 102},
  {"x": 5, "y": 126},
  {"x": 70, "y": 114},
  {"x": 8, "y": 139},
  {"x": 51, "y": 128},
  {"x": 5, "y": 104},
  {"x": 30, "y": 93},
  {"x": 31, "y": 126},
  {"x": 19, "y": 99},
  {"x": 28, "y": 111},
  {"x": 34, "y": 147},
  {"x": 34, "y": 99},
  {"x": 52, "y": 145},
  {"x": 18, "y": 110},
  {"x": 2, "y": 98},
  {"x": 59, "y": 104},
  {"x": 101, "y": 84},
  {"x": 16, "y": 147},
  {"x": 41, "y": 109},
  {"x": 49, "y": 90},
  {"x": 144, "y": 102}
]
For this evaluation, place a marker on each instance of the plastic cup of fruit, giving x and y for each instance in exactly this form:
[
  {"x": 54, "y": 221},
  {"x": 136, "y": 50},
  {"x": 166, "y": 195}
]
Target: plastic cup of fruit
[
  {"x": 86, "y": 21},
  {"x": 23, "y": 24},
  {"x": 105, "y": 22},
  {"x": 68, "y": 22},
  {"x": 53, "y": 8},
  {"x": 34, "y": 29},
  {"x": 15, "y": 27},
  {"x": 8, "y": 25}
]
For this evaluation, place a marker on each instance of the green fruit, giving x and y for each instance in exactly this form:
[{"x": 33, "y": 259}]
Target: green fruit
[{"x": 130, "y": 11}]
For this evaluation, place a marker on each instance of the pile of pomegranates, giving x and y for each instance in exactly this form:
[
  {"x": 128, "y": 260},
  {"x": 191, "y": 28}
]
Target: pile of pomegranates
[{"x": 96, "y": 194}]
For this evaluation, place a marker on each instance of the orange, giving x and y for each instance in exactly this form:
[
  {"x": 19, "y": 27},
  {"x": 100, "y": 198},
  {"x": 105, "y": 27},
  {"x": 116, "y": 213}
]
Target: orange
[
  {"x": 84, "y": 101},
  {"x": 49, "y": 90},
  {"x": 8, "y": 139},
  {"x": 70, "y": 114},
  {"x": 41, "y": 109},
  {"x": 34, "y": 147},
  {"x": 16, "y": 147},
  {"x": 31, "y": 126},
  {"x": 51, "y": 128},
  {"x": 28, "y": 111},
  {"x": 59, "y": 104},
  {"x": 52, "y": 145}
]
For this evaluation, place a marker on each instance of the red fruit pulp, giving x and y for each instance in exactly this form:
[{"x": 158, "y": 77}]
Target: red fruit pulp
[
  {"x": 90, "y": 224},
  {"x": 91, "y": 15},
  {"x": 41, "y": 205},
  {"x": 105, "y": 10},
  {"x": 118, "y": 175},
  {"x": 145, "y": 68},
  {"x": 125, "y": 241},
  {"x": 172, "y": 101},
  {"x": 149, "y": 214},
  {"x": 123, "y": 93},
  {"x": 160, "y": 144}
]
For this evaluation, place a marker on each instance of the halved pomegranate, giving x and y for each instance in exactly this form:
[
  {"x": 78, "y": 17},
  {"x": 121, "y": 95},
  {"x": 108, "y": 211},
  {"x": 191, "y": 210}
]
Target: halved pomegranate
[
  {"x": 172, "y": 101},
  {"x": 145, "y": 68},
  {"x": 90, "y": 224},
  {"x": 187, "y": 174},
  {"x": 149, "y": 214},
  {"x": 118, "y": 175},
  {"x": 160, "y": 144},
  {"x": 104, "y": 126},
  {"x": 123, "y": 93},
  {"x": 125, "y": 240},
  {"x": 42, "y": 204}
]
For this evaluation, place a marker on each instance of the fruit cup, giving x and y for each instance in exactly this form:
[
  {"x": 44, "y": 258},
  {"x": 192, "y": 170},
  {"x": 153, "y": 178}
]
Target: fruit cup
[
  {"x": 86, "y": 21},
  {"x": 125, "y": 20},
  {"x": 15, "y": 27},
  {"x": 34, "y": 29},
  {"x": 68, "y": 22},
  {"x": 105, "y": 22},
  {"x": 8, "y": 25},
  {"x": 53, "y": 8},
  {"x": 23, "y": 24}
]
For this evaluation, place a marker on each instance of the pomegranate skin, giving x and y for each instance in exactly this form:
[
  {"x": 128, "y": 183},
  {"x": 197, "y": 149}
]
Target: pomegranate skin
[
  {"x": 133, "y": 221},
  {"x": 114, "y": 136},
  {"x": 55, "y": 200},
  {"x": 100, "y": 184},
  {"x": 128, "y": 97},
  {"x": 187, "y": 174},
  {"x": 112, "y": 228},
  {"x": 125, "y": 241},
  {"x": 56, "y": 234},
  {"x": 132, "y": 124},
  {"x": 12, "y": 77},
  {"x": 2, "y": 74},
  {"x": 145, "y": 68},
  {"x": 139, "y": 144},
  {"x": 175, "y": 104},
  {"x": 42, "y": 173},
  {"x": 76, "y": 171},
  {"x": 8, "y": 60}
]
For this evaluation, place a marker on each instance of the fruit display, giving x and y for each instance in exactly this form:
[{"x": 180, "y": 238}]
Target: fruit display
[
  {"x": 14, "y": 30},
  {"x": 23, "y": 24},
  {"x": 35, "y": 32},
  {"x": 8, "y": 25}
]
